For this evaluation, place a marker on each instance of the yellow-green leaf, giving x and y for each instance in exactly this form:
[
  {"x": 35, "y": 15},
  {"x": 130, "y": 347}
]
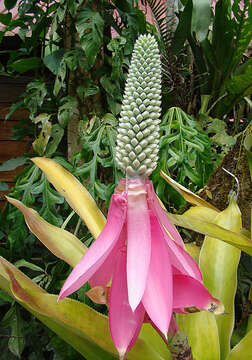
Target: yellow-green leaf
[
  {"x": 76, "y": 323},
  {"x": 202, "y": 332},
  {"x": 187, "y": 194},
  {"x": 202, "y": 213},
  {"x": 219, "y": 263},
  {"x": 75, "y": 194},
  {"x": 243, "y": 350},
  {"x": 60, "y": 242},
  {"x": 193, "y": 250},
  {"x": 211, "y": 229}
]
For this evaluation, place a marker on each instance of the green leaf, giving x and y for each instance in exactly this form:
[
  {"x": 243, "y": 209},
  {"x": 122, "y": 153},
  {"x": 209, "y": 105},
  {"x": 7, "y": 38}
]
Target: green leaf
[
  {"x": 60, "y": 78},
  {"x": 36, "y": 92},
  {"x": 28, "y": 265},
  {"x": 67, "y": 110},
  {"x": 3, "y": 186},
  {"x": 24, "y": 65},
  {"x": 40, "y": 144},
  {"x": 242, "y": 12},
  {"x": 60, "y": 242},
  {"x": 90, "y": 26},
  {"x": 236, "y": 88},
  {"x": 5, "y": 297},
  {"x": 211, "y": 229},
  {"x": 201, "y": 18},
  {"x": 183, "y": 28},
  {"x": 50, "y": 198},
  {"x": 13, "y": 163},
  {"x": 9, "y": 4},
  {"x": 57, "y": 133},
  {"x": 13, "y": 320},
  {"x": 83, "y": 328},
  {"x": 218, "y": 263},
  {"x": 76, "y": 194},
  {"x": 5, "y": 18},
  {"x": 243, "y": 350},
  {"x": 52, "y": 61}
]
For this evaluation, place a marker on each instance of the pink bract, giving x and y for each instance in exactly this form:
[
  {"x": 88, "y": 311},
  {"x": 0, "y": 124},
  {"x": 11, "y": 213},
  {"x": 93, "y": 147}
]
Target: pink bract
[{"x": 143, "y": 254}]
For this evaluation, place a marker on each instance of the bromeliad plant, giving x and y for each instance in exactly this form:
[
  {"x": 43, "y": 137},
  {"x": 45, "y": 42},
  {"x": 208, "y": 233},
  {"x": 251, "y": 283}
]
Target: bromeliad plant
[{"x": 137, "y": 265}]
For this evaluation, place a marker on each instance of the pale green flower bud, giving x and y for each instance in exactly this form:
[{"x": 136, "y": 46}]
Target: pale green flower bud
[{"x": 138, "y": 133}]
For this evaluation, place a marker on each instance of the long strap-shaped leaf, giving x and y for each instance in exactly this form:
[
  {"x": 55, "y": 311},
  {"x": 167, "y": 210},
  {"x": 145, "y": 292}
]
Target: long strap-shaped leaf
[
  {"x": 75, "y": 194},
  {"x": 82, "y": 327}
]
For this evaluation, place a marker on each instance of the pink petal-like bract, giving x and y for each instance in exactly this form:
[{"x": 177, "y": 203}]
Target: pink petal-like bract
[
  {"x": 104, "y": 274},
  {"x": 152, "y": 275},
  {"x": 124, "y": 324},
  {"x": 188, "y": 292},
  {"x": 160, "y": 214},
  {"x": 100, "y": 249},
  {"x": 181, "y": 259},
  {"x": 158, "y": 295},
  {"x": 138, "y": 241}
]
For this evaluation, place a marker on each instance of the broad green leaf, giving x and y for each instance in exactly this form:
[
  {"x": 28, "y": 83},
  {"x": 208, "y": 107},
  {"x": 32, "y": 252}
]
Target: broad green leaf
[
  {"x": 79, "y": 325},
  {"x": 13, "y": 320},
  {"x": 5, "y": 18},
  {"x": 187, "y": 194},
  {"x": 158, "y": 348},
  {"x": 201, "y": 18},
  {"x": 242, "y": 11},
  {"x": 236, "y": 89},
  {"x": 67, "y": 110},
  {"x": 243, "y": 350},
  {"x": 202, "y": 332},
  {"x": 75, "y": 194},
  {"x": 28, "y": 64},
  {"x": 211, "y": 229},
  {"x": 202, "y": 213},
  {"x": 9, "y": 4},
  {"x": 57, "y": 133},
  {"x": 13, "y": 163},
  {"x": 219, "y": 263},
  {"x": 60, "y": 242},
  {"x": 90, "y": 26},
  {"x": 183, "y": 28},
  {"x": 52, "y": 61}
]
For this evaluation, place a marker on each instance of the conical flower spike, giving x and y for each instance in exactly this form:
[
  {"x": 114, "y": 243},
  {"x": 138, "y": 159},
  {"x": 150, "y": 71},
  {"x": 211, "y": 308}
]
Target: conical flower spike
[{"x": 138, "y": 132}]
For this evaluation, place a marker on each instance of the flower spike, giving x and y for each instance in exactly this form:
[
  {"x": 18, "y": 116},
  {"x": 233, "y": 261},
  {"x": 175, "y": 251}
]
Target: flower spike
[{"x": 138, "y": 132}]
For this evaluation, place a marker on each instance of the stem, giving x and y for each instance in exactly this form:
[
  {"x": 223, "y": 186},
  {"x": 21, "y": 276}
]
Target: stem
[
  {"x": 77, "y": 226},
  {"x": 67, "y": 220},
  {"x": 177, "y": 342}
]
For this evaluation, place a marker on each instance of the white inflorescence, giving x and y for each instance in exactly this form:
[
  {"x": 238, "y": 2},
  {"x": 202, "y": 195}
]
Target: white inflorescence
[{"x": 138, "y": 132}]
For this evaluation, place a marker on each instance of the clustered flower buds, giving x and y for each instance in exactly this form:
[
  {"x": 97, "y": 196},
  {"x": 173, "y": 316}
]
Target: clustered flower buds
[{"x": 138, "y": 133}]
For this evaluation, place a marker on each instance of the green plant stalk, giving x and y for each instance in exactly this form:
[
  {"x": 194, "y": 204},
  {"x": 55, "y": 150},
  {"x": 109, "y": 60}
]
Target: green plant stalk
[{"x": 218, "y": 263}]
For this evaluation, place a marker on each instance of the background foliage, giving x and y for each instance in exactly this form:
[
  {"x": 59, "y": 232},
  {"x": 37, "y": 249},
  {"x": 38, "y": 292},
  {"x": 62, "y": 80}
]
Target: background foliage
[{"x": 78, "y": 71}]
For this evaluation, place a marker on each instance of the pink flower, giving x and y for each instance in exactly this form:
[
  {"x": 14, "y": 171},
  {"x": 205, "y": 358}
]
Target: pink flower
[{"x": 143, "y": 254}]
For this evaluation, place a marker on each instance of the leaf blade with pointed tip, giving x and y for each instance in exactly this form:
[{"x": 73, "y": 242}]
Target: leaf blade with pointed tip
[
  {"x": 60, "y": 242},
  {"x": 76, "y": 195}
]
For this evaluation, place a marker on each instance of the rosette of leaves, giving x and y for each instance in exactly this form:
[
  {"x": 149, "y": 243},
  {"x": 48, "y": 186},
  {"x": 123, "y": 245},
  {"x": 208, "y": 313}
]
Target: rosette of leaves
[{"x": 185, "y": 153}]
